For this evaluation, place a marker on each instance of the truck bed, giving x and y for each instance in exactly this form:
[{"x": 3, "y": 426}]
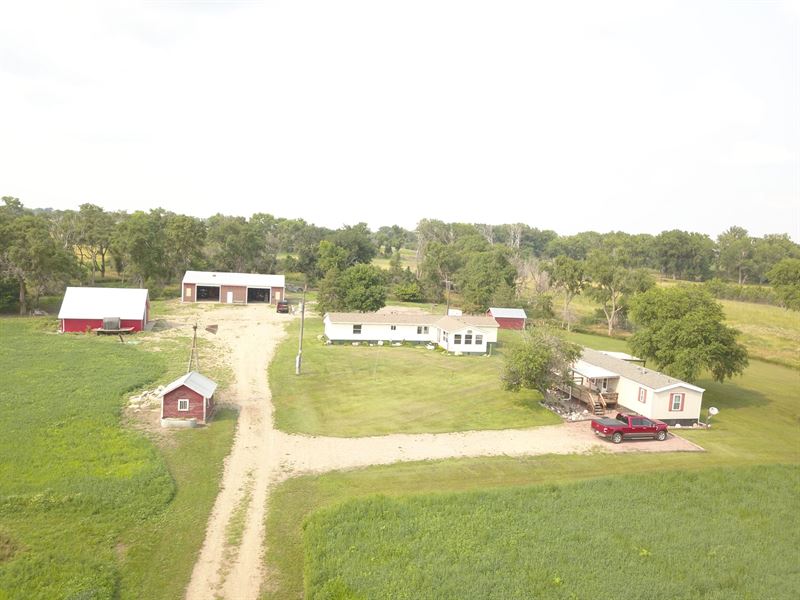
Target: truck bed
[{"x": 609, "y": 422}]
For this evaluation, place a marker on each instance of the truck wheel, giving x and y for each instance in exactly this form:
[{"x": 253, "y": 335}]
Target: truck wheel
[
  {"x": 616, "y": 438},
  {"x": 661, "y": 435}
]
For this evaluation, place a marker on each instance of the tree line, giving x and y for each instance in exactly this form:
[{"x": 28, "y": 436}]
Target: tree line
[{"x": 41, "y": 250}]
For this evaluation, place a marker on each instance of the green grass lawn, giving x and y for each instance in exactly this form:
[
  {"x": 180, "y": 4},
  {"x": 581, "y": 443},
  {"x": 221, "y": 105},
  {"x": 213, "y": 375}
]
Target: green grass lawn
[
  {"x": 664, "y": 535},
  {"x": 89, "y": 508},
  {"x": 357, "y": 391},
  {"x": 758, "y": 424}
]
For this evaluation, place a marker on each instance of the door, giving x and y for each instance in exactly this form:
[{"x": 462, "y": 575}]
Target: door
[
  {"x": 604, "y": 384},
  {"x": 229, "y": 298}
]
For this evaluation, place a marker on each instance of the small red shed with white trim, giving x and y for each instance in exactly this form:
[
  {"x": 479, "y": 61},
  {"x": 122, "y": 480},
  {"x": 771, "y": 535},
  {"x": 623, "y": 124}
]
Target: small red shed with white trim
[
  {"x": 509, "y": 318},
  {"x": 188, "y": 397}
]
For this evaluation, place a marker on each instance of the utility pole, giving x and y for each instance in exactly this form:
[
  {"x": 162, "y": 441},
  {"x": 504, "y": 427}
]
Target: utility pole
[
  {"x": 448, "y": 282},
  {"x": 194, "y": 356},
  {"x": 299, "y": 361}
]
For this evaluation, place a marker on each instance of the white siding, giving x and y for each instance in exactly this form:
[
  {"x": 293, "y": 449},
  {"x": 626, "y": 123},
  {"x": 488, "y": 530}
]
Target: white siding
[
  {"x": 373, "y": 332},
  {"x": 657, "y": 404},
  {"x": 451, "y": 346},
  {"x": 628, "y": 391},
  {"x": 692, "y": 403}
]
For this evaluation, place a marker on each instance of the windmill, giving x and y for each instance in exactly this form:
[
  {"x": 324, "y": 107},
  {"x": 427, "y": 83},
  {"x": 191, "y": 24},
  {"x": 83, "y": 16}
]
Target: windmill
[{"x": 194, "y": 356}]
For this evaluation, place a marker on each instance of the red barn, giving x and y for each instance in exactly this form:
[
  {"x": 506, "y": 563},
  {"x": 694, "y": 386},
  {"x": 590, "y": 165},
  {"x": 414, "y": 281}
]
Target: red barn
[
  {"x": 509, "y": 318},
  {"x": 189, "y": 397},
  {"x": 85, "y": 308}
]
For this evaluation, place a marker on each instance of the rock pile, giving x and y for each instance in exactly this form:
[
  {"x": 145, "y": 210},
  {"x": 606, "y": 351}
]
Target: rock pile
[{"x": 147, "y": 399}]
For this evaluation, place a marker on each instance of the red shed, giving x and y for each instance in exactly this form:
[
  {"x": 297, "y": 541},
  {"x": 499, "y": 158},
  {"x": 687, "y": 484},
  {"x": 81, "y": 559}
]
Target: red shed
[
  {"x": 509, "y": 318},
  {"x": 85, "y": 308},
  {"x": 189, "y": 397}
]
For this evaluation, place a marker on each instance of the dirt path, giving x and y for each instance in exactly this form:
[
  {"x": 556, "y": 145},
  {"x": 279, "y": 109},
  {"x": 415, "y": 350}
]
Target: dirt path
[
  {"x": 262, "y": 456},
  {"x": 251, "y": 334}
]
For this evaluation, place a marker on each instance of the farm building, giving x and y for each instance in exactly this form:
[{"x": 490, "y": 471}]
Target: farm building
[
  {"x": 509, "y": 318},
  {"x": 467, "y": 334},
  {"x": 232, "y": 288},
  {"x": 188, "y": 397},
  {"x": 607, "y": 379},
  {"x": 86, "y": 308}
]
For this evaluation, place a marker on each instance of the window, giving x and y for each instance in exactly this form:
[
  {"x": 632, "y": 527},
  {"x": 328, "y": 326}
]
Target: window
[
  {"x": 676, "y": 402},
  {"x": 356, "y": 329},
  {"x": 478, "y": 339},
  {"x": 457, "y": 338},
  {"x": 445, "y": 336},
  {"x": 422, "y": 329},
  {"x": 642, "y": 395},
  {"x": 468, "y": 338},
  {"x": 637, "y": 422},
  {"x": 183, "y": 404},
  {"x": 393, "y": 327}
]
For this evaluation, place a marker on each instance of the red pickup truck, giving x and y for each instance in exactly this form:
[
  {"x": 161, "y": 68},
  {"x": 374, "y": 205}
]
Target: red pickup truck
[{"x": 630, "y": 426}]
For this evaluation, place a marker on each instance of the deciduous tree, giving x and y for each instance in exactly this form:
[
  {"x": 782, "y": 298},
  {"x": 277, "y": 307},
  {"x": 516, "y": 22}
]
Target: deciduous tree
[
  {"x": 682, "y": 331},
  {"x": 568, "y": 275},
  {"x": 785, "y": 278},
  {"x": 613, "y": 284},
  {"x": 540, "y": 360}
]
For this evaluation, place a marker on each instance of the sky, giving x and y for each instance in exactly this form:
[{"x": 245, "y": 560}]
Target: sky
[{"x": 572, "y": 116}]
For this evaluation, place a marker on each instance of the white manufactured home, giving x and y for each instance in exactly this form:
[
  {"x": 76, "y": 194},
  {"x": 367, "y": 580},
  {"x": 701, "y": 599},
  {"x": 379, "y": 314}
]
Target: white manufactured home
[
  {"x": 468, "y": 334},
  {"x": 606, "y": 379}
]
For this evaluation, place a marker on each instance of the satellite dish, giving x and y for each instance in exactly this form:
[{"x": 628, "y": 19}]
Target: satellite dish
[{"x": 713, "y": 410}]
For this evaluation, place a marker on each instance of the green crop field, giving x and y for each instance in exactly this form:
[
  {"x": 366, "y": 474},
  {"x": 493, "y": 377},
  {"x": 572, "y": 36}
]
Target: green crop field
[
  {"x": 757, "y": 425},
  {"x": 662, "y": 535},
  {"x": 90, "y": 508},
  {"x": 357, "y": 391}
]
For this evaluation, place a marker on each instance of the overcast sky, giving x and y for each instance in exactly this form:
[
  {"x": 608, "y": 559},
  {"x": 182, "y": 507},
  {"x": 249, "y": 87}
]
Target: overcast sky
[{"x": 634, "y": 116}]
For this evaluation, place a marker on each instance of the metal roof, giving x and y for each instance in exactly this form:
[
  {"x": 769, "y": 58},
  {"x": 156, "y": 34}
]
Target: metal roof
[
  {"x": 240, "y": 279},
  {"x": 456, "y": 323},
  {"x": 508, "y": 313},
  {"x": 194, "y": 381},
  {"x": 99, "y": 303},
  {"x": 405, "y": 318},
  {"x": 620, "y": 355},
  {"x": 382, "y": 318},
  {"x": 592, "y": 371},
  {"x": 648, "y": 377}
]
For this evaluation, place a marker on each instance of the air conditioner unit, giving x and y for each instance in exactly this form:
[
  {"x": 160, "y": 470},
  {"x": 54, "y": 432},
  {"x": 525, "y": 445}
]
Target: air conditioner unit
[{"x": 111, "y": 323}]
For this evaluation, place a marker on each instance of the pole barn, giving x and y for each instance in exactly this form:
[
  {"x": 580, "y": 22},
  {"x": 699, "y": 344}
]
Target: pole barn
[
  {"x": 232, "y": 288},
  {"x": 86, "y": 308}
]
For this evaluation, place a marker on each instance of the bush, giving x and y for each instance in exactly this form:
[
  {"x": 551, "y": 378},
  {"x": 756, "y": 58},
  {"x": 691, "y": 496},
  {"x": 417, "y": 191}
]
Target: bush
[{"x": 758, "y": 294}]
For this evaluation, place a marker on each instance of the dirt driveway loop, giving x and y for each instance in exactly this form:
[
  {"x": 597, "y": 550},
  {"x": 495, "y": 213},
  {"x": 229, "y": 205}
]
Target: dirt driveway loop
[{"x": 261, "y": 456}]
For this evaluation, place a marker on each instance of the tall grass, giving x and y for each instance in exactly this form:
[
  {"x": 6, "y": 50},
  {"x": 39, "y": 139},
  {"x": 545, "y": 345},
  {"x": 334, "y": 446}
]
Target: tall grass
[
  {"x": 717, "y": 534},
  {"x": 92, "y": 509}
]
